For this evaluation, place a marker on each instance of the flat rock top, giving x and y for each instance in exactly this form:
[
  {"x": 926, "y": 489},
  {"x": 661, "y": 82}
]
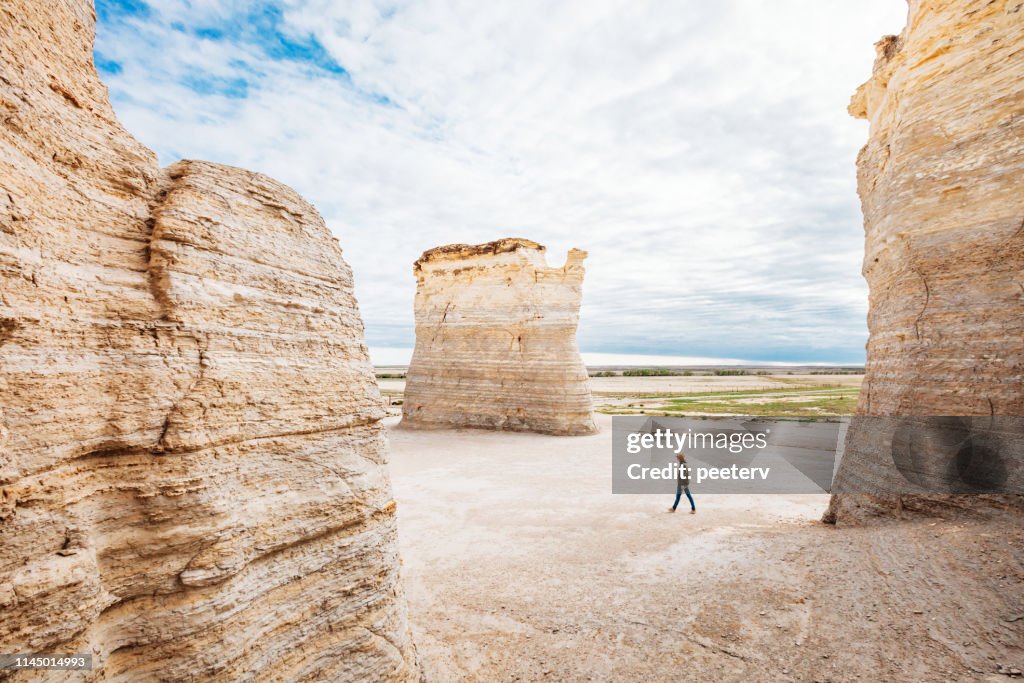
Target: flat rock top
[{"x": 451, "y": 252}]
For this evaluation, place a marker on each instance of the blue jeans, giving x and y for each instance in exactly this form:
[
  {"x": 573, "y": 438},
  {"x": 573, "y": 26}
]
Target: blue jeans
[{"x": 680, "y": 489}]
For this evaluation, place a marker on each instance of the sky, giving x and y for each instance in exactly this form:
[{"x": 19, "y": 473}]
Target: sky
[{"x": 699, "y": 151}]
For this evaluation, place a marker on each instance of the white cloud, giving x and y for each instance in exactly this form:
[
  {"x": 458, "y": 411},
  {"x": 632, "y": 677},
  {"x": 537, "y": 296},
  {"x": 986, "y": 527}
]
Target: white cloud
[{"x": 700, "y": 151}]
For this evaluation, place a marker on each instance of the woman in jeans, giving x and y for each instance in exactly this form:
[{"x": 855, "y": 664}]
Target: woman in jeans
[{"x": 683, "y": 484}]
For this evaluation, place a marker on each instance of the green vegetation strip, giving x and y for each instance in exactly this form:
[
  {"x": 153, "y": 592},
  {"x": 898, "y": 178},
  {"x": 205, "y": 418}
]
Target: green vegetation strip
[
  {"x": 839, "y": 405},
  {"x": 796, "y": 403},
  {"x": 733, "y": 393}
]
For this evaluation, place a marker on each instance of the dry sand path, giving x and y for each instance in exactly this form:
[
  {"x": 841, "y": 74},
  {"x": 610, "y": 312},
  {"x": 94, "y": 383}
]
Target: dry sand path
[{"x": 521, "y": 565}]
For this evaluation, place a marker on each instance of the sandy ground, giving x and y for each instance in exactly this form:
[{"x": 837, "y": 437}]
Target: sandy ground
[{"x": 520, "y": 565}]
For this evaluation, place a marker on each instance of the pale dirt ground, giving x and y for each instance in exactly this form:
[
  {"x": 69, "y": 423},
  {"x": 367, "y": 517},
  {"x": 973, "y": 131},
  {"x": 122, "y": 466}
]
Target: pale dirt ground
[
  {"x": 602, "y": 386},
  {"x": 520, "y": 565}
]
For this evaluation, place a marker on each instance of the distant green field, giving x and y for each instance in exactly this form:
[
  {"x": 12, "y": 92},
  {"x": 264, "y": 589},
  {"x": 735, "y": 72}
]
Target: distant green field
[{"x": 795, "y": 402}]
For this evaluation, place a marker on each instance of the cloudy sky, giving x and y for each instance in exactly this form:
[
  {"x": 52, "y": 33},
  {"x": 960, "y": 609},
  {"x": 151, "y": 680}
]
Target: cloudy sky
[{"x": 700, "y": 151}]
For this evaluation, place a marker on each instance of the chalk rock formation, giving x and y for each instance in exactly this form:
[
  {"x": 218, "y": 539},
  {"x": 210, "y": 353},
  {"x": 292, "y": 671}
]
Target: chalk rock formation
[
  {"x": 193, "y": 478},
  {"x": 496, "y": 341},
  {"x": 941, "y": 182}
]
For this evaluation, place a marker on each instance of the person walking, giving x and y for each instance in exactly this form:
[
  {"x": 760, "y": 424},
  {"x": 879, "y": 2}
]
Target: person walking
[{"x": 683, "y": 484}]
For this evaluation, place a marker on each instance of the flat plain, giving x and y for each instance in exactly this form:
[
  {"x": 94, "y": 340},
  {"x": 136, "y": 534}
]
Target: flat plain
[{"x": 778, "y": 393}]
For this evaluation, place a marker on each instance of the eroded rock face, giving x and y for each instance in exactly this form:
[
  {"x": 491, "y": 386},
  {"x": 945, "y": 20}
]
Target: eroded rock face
[
  {"x": 496, "y": 341},
  {"x": 192, "y": 463},
  {"x": 941, "y": 181}
]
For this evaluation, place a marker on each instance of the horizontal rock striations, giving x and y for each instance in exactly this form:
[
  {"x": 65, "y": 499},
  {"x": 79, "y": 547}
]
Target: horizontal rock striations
[
  {"x": 941, "y": 182},
  {"x": 193, "y": 480},
  {"x": 496, "y": 341}
]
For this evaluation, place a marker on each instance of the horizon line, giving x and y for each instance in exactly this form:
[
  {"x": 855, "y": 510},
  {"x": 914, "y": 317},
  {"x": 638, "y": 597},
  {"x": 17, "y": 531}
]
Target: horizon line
[{"x": 392, "y": 356}]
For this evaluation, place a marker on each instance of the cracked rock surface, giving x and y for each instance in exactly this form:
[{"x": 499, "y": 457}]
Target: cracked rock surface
[{"x": 193, "y": 472}]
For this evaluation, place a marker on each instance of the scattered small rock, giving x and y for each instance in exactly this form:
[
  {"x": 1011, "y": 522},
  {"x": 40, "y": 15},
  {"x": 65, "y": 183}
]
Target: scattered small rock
[{"x": 1009, "y": 671}]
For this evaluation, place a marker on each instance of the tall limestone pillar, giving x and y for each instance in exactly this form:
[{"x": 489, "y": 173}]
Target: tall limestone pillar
[
  {"x": 941, "y": 181},
  {"x": 496, "y": 341}
]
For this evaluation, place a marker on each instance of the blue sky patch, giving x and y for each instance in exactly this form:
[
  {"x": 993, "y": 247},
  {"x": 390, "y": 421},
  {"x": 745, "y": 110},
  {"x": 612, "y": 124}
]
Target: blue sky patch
[
  {"x": 260, "y": 27},
  {"x": 107, "y": 67},
  {"x": 108, "y": 11},
  {"x": 209, "y": 33},
  {"x": 263, "y": 28},
  {"x": 204, "y": 84},
  {"x": 278, "y": 45}
]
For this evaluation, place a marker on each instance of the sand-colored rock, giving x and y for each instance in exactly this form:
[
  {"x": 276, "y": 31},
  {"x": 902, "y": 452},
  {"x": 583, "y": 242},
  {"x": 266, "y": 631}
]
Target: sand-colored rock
[
  {"x": 496, "y": 341},
  {"x": 193, "y": 473},
  {"x": 941, "y": 182}
]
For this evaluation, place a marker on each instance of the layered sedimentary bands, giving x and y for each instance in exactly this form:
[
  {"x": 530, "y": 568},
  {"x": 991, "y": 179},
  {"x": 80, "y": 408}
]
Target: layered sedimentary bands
[
  {"x": 941, "y": 182},
  {"x": 496, "y": 341},
  {"x": 193, "y": 477}
]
